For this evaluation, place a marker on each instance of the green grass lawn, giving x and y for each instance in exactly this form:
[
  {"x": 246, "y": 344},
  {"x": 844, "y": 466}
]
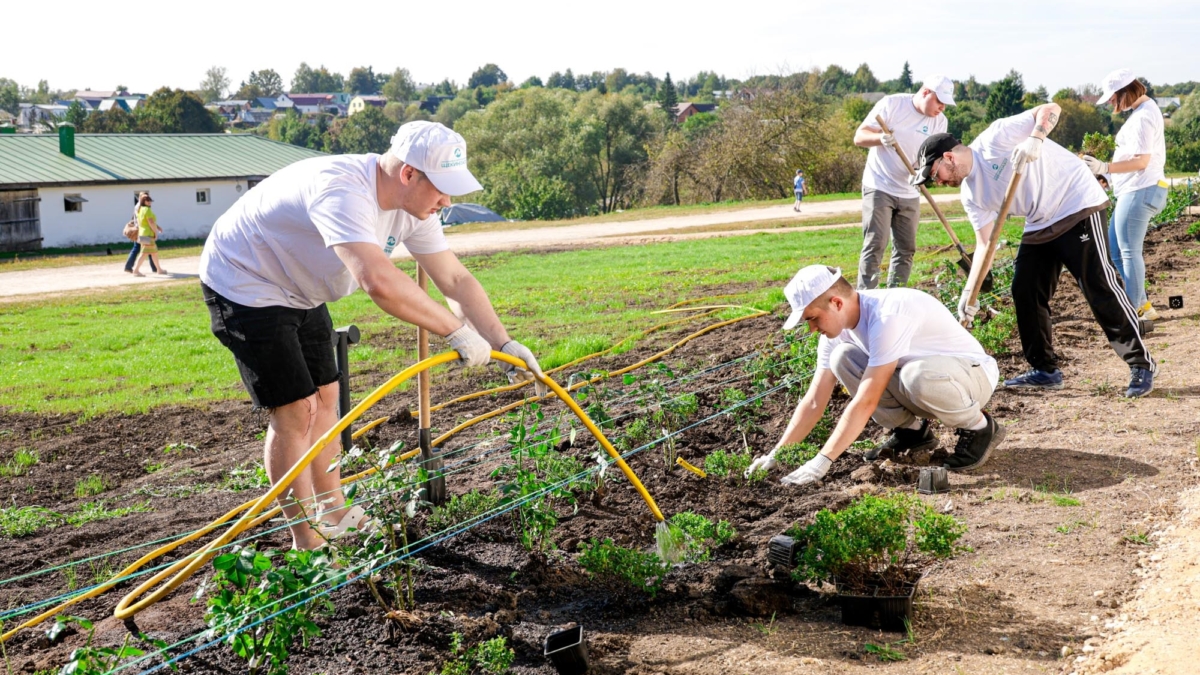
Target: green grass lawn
[{"x": 132, "y": 349}]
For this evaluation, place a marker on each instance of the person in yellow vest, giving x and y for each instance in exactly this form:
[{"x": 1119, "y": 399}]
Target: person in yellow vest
[{"x": 148, "y": 231}]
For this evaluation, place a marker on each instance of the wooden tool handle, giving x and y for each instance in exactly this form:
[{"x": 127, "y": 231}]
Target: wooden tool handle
[
  {"x": 423, "y": 416},
  {"x": 978, "y": 270},
  {"x": 928, "y": 197}
]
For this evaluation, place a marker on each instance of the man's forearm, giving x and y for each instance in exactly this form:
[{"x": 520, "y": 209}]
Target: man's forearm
[
  {"x": 853, "y": 421},
  {"x": 806, "y": 416},
  {"x": 477, "y": 309},
  {"x": 402, "y": 298},
  {"x": 1045, "y": 119},
  {"x": 1136, "y": 163},
  {"x": 868, "y": 137}
]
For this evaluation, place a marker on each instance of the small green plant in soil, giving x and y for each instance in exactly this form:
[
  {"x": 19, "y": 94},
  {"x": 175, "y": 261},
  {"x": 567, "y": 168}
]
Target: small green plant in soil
[
  {"x": 71, "y": 577},
  {"x": 93, "y": 511},
  {"x": 1139, "y": 538},
  {"x": 731, "y": 464},
  {"x": 463, "y": 508},
  {"x": 390, "y": 496},
  {"x": 668, "y": 414},
  {"x": 744, "y": 415},
  {"x": 767, "y": 628},
  {"x": 22, "y": 460},
  {"x": 20, "y": 521},
  {"x": 790, "y": 364},
  {"x": 153, "y": 467},
  {"x": 996, "y": 320},
  {"x": 490, "y": 656},
  {"x": 538, "y": 477},
  {"x": 250, "y": 476},
  {"x": 884, "y": 652},
  {"x": 90, "y": 486},
  {"x": 644, "y": 571},
  {"x": 875, "y": 542},
  {"x": 796, "y": 454},
  {"x": 172, "y": 448},
  {"x": 91, "y": 660},
  {"x": 596, "y": 398},
  {"x": 249, "y": 586},
  {"x": 700, "y": 535}
]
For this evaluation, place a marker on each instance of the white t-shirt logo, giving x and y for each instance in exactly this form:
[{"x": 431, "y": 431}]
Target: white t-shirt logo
[{"x": 391, "y": 244}]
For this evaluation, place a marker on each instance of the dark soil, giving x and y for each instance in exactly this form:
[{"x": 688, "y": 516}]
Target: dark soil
[{"x": 483, "y": 583}]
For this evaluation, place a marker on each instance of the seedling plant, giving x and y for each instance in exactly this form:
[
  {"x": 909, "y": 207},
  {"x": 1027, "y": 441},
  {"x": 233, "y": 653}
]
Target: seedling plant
[
  {"x": 731, "y": 464},
  {"x": 880, "y": 542},
  {"x": 248, "y": 590},
  {"x": 699, "y": 535},
  {"x": 390, "y": 496},
  {"x": 90, "y": 660},
  {"x": 645, "y": 571},
  {"x": 490, "y": 656}
]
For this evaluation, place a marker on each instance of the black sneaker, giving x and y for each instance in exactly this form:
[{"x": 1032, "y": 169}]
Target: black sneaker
[
  {"x": 903, "y": 440},
  {"x": 974, "y": 447}
]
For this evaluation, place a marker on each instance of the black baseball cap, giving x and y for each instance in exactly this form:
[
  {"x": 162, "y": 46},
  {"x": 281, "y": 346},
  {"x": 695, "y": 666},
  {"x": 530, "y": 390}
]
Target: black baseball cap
[{"x": 934, "y": 147}]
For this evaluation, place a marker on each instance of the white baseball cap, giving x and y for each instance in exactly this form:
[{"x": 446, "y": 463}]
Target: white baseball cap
[
  {"x": 438, "y": 152},
  {"x": 808, "y": 285},
  {"x": 1114, "y": 82},
  {"x": 941, "y": 86}
]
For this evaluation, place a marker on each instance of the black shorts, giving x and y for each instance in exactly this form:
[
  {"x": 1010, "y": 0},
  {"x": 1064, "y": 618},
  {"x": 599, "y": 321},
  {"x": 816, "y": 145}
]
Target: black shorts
[{"x": 283, "y": 354}]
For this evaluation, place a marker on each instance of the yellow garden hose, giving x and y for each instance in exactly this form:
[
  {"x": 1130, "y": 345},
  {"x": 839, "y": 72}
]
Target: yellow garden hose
[
  {"x": 650, "y": 359},
  {"x": 178, "y": 573},
  {"x": 518, "y": 385},
  {"x": 171, "y": 546}
]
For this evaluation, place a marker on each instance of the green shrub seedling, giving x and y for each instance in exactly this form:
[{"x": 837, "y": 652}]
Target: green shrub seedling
[
  {"x": 645, "y": 571},
  {"x": 91, "y": 660},
  {"x": 248, "y": 587},
  {"x": 701, "y": 535},
  {"x": 490, "y": 656},
  {"x": 731, "y": 464}
]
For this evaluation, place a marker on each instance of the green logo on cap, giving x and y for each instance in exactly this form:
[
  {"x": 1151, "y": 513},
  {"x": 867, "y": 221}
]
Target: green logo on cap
[{"x": 458, "y": 152}]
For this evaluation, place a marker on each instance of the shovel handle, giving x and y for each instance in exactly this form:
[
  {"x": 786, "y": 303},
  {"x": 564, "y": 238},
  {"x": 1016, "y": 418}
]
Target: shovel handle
[
  {"x": 928, "y": 197},
  {"x": 975, "y": 281}
]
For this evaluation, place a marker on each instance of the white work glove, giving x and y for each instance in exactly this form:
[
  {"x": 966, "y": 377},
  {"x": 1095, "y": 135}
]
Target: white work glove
[
  {"x": 888, "y": 140},
  {"x": 966, "y": 312},
  {"x": 1028, "y": 151},
  {"x": 515, "y": 374},
  {"x": 1095, "y": 166},
  {"x": 471, "y": 347},
  {"x": 761, "y": 463},
  {"x": 812, "y": 471}
]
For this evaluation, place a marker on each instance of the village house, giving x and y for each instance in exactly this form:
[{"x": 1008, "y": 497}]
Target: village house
[
  {"x": 360, "y": 103},
  {"x": 72, "y": 189}
]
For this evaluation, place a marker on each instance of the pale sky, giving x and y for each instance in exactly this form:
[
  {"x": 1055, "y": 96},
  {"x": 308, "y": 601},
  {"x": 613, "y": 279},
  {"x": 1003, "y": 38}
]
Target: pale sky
[{"x": 145, "y": 45}]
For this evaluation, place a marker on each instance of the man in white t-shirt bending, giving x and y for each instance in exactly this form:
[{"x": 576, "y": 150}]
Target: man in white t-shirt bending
[
  {"x": 1066, "y": 221},
  {"x": 892, "y": 207},
  {"x": 313, "y": 233},
  {"x": 905, "y": 361}
]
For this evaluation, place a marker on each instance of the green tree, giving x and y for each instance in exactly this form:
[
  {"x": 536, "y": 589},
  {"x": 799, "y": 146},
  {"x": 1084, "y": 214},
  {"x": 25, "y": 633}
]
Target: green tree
[
  {"x": 864, "y": 80},
  {"x": 532, "y": 81},
  {"x": 667, "y": 97},
  {"x": 113, "y": 121},
  {"x": 362, "y": 81},
  {"x": 906, "y": 81},
  {"x": 175, "y": 111},
  {"x": 488, "y": 75},
  {"x": 1066, "y": 93},
  {"x": 524, "y": 151},
  {"x": 76, "y": 114},
  {"x": 10, "y": 96},
  {"x": 856, "y": 108},
  {"x": 247, "y": 92},
  {"x": 400, "y": 86},
  {"x": 1005, "y": 99},
  {"x": 308, "y": 80},
  {"x": 613, "y": 132},
  {"x": 293, "y": 128},
  {"x": 559, "y": 80},
  {"x": 617, "y": 80},
  {"x": 449, "y": 112},
  {"x": 361, "y": 133},
  {"x": 963, "y": 119},
  {"x": 41, "y": 95},
  {"x": 268, "y": 82},
  {"x": 1076, "y": 121},
  {"x": 214, "y": 85}
]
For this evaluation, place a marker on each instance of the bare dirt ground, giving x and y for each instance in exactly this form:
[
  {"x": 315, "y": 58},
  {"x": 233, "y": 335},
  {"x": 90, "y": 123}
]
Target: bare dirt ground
[
  {"x": 22, "y": 285},
  {"x": 1084, "y": 530}
]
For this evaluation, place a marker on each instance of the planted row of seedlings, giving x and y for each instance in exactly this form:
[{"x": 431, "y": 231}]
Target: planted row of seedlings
[{"x": 262, "y": 604}]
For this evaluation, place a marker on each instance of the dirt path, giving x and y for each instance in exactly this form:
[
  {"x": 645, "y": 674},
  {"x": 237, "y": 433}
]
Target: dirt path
[{"x": 109, "y": 275}]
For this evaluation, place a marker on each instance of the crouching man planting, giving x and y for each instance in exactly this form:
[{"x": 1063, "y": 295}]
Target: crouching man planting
[{"x": 905, "y": 361}]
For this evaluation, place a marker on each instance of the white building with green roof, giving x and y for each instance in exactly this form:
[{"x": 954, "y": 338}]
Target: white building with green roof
[{"x": 73, "y": 189}]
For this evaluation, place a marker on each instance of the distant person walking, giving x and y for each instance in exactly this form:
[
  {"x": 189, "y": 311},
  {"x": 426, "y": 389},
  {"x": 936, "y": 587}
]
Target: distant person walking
[
  {"x": 137, "y": 248},
  {"x": 1138, "y": 180},
  {"x": 148, "y": 231},
  {"x": 892, "y": 207},
  {"x": 799, "y": 187}
]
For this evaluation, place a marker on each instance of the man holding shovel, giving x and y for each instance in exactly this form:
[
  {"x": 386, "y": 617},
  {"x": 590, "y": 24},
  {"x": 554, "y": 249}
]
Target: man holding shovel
[
  {"x": 891, "y": 206},
  {"x": 315, "y": 232},
  {"x": 1066, "y": 221},
  {"x": 904, "y": 359}
]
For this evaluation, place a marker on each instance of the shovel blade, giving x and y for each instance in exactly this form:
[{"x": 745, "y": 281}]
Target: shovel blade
[{"x": 988, "y": 284}]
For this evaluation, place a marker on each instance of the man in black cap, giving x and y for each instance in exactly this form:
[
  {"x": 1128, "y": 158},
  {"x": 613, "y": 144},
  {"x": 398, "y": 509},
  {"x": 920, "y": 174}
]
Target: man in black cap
[{"x": 1066, "y": 222}]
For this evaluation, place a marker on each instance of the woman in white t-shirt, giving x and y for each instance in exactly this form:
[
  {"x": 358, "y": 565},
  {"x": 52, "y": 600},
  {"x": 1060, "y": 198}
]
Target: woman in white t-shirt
[{"x": 1138, "y": 181}]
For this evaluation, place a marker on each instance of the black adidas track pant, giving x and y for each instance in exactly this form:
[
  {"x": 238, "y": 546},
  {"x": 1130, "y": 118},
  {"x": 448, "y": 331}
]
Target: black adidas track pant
[{"x": 1084, "y": 251}]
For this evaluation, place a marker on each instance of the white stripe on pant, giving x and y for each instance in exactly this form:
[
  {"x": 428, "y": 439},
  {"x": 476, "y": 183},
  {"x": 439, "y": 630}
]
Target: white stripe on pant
[{"x": 950, "y": 389}]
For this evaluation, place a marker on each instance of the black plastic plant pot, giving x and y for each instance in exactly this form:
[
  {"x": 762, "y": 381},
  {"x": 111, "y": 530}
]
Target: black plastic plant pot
[
  {"x": 886, "y": 612},
  {"x": 933, "y": 480},
  {"x": 567, "y": 651},
  {"x": 782, "y": 550}
]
